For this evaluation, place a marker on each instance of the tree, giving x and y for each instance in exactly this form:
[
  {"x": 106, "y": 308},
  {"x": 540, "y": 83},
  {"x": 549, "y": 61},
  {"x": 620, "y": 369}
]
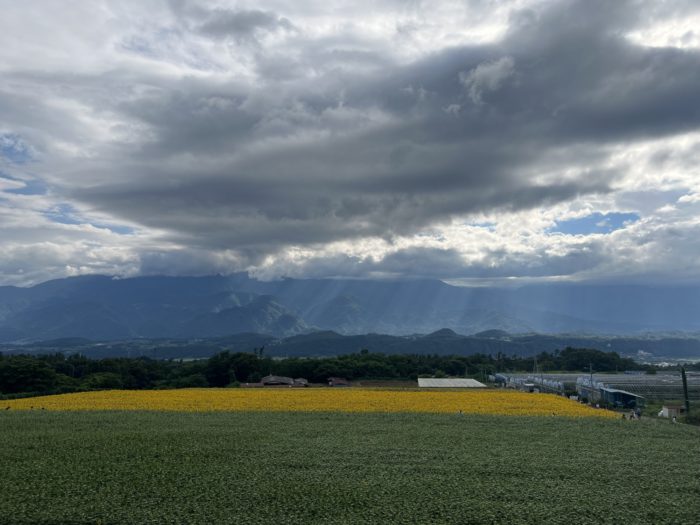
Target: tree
[
  {"x": 24, "y": 374},
  {"x": 218, "y": 369},
  {"x": 191, "y": 381},
  {"x": 104, "y": 381}
]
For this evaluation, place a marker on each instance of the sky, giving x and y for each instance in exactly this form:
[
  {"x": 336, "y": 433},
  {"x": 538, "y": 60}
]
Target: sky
[{"x": 478, "y": 142}]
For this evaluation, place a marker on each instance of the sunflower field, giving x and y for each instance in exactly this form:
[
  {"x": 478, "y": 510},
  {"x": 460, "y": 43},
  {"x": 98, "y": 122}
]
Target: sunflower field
[{"x": 490, "y": 402}]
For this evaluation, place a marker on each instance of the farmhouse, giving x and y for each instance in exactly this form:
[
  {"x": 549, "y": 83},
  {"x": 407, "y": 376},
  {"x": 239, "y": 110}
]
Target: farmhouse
[
  {"x": 672, "y": 411},
  {"x": 429, "y": 382},
  {"x": 338, "y": 381},
  {"x": 277, "y": 381}
]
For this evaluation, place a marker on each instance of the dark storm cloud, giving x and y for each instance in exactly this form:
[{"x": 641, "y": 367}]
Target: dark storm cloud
[
  {"x": 388, "y": 152},
  {"x": 595, "y": 84},
  {"x": 449, "y": 264},
  {"x": 243, "y": 25},
  {"x": 215, "y": 213}
]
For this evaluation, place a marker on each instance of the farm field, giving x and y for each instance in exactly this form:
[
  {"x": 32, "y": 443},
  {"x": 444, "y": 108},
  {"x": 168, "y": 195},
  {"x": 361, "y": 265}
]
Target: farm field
[
  {"x": 491, "y": 402},
  {"x": 107, "y": 467}
]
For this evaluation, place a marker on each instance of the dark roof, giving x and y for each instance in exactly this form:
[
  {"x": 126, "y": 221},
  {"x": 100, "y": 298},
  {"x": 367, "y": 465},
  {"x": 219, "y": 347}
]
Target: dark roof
[{"x": 616, "y": 391}]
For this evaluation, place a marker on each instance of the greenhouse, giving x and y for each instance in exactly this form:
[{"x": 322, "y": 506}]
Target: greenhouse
[{"x": 651, "y": 387}]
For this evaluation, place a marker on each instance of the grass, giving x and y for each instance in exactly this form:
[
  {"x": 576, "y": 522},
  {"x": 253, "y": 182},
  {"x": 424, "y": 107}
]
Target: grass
[{"x": 145, "y": 467}]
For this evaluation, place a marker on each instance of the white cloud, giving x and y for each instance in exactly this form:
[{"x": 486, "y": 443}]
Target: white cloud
[{"x": 487, "y": 77}]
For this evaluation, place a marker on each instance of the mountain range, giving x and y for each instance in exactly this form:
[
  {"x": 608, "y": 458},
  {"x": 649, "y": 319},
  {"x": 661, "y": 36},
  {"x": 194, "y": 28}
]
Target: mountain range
[
  {"x": 105, "y": 308},
  {"x": 327, "y": 343}
]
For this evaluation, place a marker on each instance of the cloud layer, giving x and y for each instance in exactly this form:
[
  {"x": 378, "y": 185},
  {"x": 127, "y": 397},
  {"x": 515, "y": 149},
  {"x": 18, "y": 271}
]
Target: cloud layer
[{"x": 336, "y": 139}]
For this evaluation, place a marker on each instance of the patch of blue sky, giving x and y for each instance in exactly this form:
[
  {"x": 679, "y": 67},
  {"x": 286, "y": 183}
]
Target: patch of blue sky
[
  {"x": 30, "y": 186},
  {"x": 63, "y": 214},
  {"x": 14, "y": 149},
  {"x": 595, "y": 223},
  {"x": 66, "y": 214},
  {"x": 115, "y": 228}
]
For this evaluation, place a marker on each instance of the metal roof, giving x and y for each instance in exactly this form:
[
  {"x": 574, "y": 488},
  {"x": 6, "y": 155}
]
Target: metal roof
[
  {"x": 617, "y": 391},
  {"x": 427, "y": 382},
  {"x": 651, "y": 386}
]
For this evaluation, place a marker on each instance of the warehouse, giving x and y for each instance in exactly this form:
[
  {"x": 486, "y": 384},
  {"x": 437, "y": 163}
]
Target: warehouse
[{"x": 620, "y": 398}]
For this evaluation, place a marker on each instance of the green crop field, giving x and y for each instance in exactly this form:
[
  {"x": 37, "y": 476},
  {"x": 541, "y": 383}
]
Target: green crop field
[{"x": 139, "y": 467}]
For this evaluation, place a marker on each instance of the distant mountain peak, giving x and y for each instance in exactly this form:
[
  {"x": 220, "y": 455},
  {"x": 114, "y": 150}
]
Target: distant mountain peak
[
  {"x": 444, "y": 332},
  {"x": 492, "y": 334}
]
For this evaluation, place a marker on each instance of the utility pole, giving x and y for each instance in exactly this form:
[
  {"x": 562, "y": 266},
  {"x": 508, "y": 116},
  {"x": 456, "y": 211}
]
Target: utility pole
[
  {"x": 534, "y": 373},
  {"x": 541, "y": 377},
  {"x": 685, "y": 393}
]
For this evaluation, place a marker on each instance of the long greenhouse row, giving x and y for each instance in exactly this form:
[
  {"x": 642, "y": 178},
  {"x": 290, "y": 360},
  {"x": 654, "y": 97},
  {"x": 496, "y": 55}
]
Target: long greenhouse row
[{"x": 666, "y": 386}]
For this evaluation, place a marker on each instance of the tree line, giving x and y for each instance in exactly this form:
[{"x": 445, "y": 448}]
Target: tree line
[{"x": 57, "y": 373}]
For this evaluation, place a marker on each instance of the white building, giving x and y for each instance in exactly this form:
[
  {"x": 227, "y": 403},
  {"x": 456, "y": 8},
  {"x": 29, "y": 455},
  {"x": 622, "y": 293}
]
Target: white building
[{"x": 429, "y": 382}]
